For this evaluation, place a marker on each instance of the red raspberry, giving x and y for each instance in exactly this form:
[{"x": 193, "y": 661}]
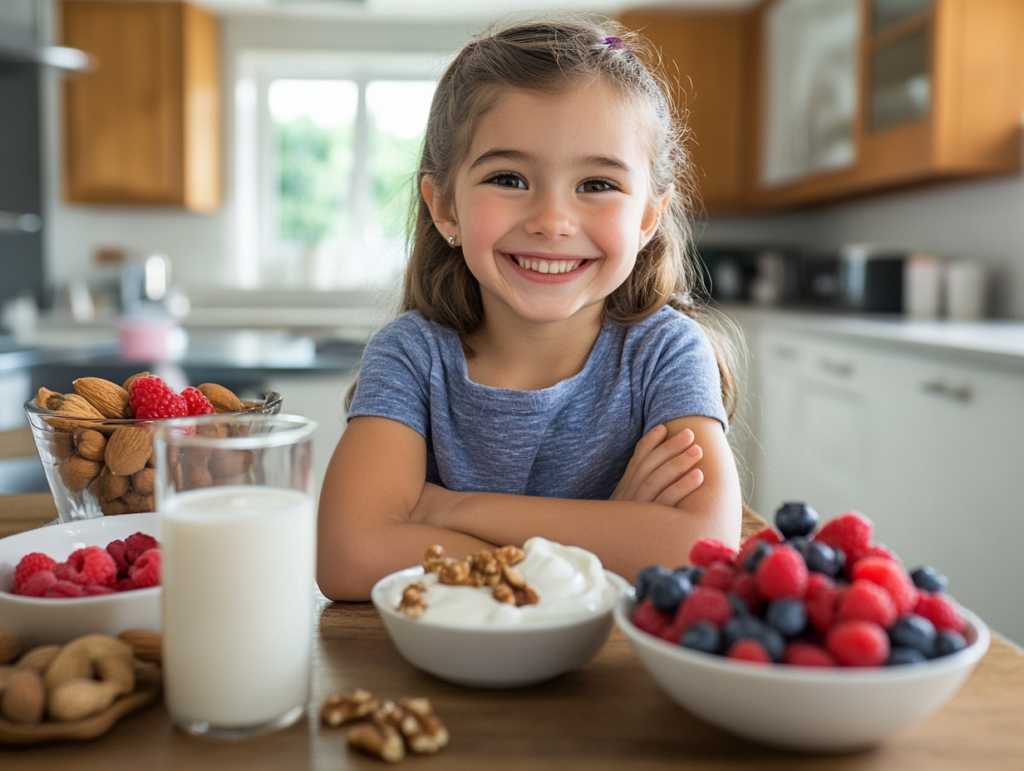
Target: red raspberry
[
  {"x": 64, "y": 589},
  {"x": 783, "y": 573},
  {"x": 672, "y": 633},
  {"x": 704, "y": 604},
  {"x": 805, "y": 654},
  {"x": 93, "y": 590},
  {"x": 124, "y": 585},
  {"x": 151, "y": 397},
  {"x": 29, "y": 565},
  {"x": 767, "y": 536},
  {"x": 138, "y": 544},
  {"x": 749, "y": 650},
  {"x": 649, "y": 619},
  {"x": 63, "y": 571},
  {"x": 858, "y": 643},
  {"x": 744, "y": 586},
  {"x": 116, "y": 549},
  {"x": 823, "y": 607},
  {"x": 850, "y": 532},
  {"x": 879, "y": 550},
  {"x": 145, "y": 571},
  {"x": 818, "y": 581},
  {"x": 92, "y": 565},
  {"x": 708, "y": 550},
  {"x": 197, "y": 403},
  {"x": 940, "y": 610},
  {"x": 37, "y": 584},
  {"x": 718, "y": 576},
  {"x": 890, "y": 576},
  {"x": 870, "y": 602}
]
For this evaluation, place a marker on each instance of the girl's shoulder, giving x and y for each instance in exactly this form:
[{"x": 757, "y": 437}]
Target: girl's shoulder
[
  {"x": 666, "y": 326},
  {"x": 412, "y": 334}
]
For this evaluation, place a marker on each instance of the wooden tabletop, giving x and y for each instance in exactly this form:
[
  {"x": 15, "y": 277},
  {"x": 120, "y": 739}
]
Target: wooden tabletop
[{"x": 608, "y": 715}]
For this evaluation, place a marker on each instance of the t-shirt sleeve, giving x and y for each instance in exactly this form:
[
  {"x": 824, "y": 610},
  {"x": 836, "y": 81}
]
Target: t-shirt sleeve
[
  {"x": 394, "y": 376},
  {"x": 681, "y": 375}
]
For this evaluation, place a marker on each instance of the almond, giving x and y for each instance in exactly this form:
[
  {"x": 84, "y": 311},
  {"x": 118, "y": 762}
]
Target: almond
[
  {"x": 24, "y": 697},
  {"x": 10, "y": 646},
  {"x": 229, "y": 463},
  {"x": 98, "y": 646},
  {"x": 38, "y": 659},
  {"x": 147, "y": 645},
  {"x": 128, "y": 449},
  {"x": 144, "y": 480},
  {"x": 77, "y": 699},
  {"x": 76, "y": 406},
  {"x": 112, "y": 486},
  {"x": 60, "y": 444},
  {"x": 108, "y": 398},
  {"x": 134, "y": 499},
  {"x": 128, "y": 383},
  {"x": 47, "y": 399},
  {"x": 77, "y": 472},
  {"x": 114, "y": 507},
  {"x": 198, "y": 477},
  {"x": 71, "y": 663},
  {"x": 90, "y": 444},
  {"x": 221, "y": 398},
  {"x": 117, "y": 671}
]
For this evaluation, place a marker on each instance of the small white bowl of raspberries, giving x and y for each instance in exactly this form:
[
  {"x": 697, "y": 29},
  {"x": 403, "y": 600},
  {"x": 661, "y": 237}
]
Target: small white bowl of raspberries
[{"x": 808, "y": 639}]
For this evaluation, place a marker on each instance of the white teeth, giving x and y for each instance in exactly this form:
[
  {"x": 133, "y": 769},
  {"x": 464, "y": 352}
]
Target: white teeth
[{"x": 543, "y": 266}]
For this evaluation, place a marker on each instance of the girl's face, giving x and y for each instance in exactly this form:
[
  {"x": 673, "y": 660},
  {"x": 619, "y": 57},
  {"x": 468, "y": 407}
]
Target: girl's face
[{"x": 551, "y": 205}]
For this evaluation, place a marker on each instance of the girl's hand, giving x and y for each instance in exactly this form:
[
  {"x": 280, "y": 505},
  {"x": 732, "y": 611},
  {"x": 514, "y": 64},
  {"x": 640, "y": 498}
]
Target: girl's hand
[{"x": 661, "y": 469}]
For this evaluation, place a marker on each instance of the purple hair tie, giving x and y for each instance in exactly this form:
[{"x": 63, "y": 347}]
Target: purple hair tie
[{"x": 618, "y": 44}]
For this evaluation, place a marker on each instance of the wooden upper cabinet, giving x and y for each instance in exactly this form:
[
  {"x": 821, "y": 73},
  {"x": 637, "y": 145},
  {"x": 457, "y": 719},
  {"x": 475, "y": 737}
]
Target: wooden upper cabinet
[
  {"x": 939, "y": 96},
  {"x": 144, "y": 128},
  {"x": 707, "y": 55}
]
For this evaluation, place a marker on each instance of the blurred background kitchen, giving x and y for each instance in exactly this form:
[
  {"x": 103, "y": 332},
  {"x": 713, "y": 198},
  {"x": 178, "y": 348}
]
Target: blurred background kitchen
[{"x": 218, "y": 190}]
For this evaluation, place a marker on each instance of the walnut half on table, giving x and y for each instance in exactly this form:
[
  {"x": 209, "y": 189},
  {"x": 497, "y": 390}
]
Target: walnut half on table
[{"x": 386, "y": 729}]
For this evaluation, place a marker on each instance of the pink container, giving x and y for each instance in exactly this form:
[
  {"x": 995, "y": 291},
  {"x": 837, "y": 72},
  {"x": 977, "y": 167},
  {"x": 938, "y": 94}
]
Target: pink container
[{"x": 146, "y": 339}]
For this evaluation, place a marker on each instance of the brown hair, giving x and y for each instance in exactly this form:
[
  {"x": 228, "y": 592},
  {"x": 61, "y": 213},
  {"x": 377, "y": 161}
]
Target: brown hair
[{"x": 557, "y": 55}]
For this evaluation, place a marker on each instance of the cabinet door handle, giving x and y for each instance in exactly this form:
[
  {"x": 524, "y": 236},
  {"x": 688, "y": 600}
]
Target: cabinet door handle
[
  {"x": 839, "y": 368},
  {"x": 944, "y": 390}
]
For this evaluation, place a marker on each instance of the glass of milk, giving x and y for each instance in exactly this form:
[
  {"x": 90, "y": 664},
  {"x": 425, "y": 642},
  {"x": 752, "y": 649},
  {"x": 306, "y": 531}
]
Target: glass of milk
[{"x": 238, "y": 525}]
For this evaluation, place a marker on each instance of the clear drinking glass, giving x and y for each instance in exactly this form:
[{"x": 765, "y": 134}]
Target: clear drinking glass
[{"x": 237, "y": 523}]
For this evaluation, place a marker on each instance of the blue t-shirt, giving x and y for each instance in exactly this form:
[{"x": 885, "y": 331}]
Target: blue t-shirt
[{"x": 572, "y": 440}]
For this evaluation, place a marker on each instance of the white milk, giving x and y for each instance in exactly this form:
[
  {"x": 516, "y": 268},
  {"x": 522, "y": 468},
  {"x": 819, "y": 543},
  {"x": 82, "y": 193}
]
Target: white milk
[{"x": 237, "y": 578}]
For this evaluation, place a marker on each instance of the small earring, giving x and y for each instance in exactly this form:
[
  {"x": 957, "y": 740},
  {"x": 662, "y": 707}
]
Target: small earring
[{"x": 451, "y": 241}]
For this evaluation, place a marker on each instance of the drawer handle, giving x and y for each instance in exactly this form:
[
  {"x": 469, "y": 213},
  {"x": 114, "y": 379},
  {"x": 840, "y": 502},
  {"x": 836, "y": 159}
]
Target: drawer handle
[
  {"x": 840, "y": 368},
  {"x": 942, "y": 389}
]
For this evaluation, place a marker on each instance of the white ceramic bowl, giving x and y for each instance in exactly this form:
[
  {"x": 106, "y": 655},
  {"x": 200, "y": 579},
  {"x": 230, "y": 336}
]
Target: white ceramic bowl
[
  {"x": 41, "y": 620},
  {"x": 488, "y": 657},
  {"x": 802, "y": 708}
]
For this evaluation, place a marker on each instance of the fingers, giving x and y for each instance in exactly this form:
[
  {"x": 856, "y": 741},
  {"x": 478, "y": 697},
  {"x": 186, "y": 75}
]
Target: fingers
[
  {"x": 675, "y": 493},
  {"x": 658, "y": 456},
  {"x": 648, "y": 442},
  {"x": 668, "y": 473}
]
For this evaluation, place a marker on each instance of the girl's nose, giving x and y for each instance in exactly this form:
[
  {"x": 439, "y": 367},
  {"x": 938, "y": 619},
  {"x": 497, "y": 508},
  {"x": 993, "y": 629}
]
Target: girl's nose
[{"x": 551, "y": 216}]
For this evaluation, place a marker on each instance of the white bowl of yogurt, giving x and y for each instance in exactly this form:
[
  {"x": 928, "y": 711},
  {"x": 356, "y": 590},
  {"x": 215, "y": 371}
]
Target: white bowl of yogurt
[{"x": 467, "y": 637}]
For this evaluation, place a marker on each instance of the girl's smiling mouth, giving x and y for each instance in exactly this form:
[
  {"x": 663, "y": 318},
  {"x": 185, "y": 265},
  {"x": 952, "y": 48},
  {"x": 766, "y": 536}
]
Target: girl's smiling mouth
[{"x": 546, "y": 268}]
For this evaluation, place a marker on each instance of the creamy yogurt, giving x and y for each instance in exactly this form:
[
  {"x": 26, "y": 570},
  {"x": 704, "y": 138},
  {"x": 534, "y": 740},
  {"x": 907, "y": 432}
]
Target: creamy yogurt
[{"x": 570, "y": 581}]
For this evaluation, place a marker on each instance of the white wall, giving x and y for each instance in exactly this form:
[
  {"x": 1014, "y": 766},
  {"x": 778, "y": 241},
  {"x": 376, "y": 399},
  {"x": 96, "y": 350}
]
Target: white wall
[
  {"x": 200, "y": 246},
  {"x": 981, "y": 220}
]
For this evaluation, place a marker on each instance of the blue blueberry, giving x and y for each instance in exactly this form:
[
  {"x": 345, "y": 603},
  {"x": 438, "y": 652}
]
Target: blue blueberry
[
  {"x": 753, "y": 559},
  {"x": 905, "y": 656},
  {"x": 822, "y": 558},
  {"x": 696, "y": 574},
  {"x": 947, "y": 642},
  {"x": 668, "y": 591},
  {"x": 701, "y": 636},
  {"x": 739, "y": 607},
  {"x": 787, "y": 616},
  {"x": 929, "y": 579},
  {"x": 645, "y": 580},
  {"x": 796, "y": 519},
  {"x": 753, "y": 628},
  {"x": 840, "y": 560},
  {"x": 913, "y": 631}
]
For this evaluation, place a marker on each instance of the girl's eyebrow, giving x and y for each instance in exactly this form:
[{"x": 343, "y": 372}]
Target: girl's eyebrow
[{"x": 587, "y": 160}]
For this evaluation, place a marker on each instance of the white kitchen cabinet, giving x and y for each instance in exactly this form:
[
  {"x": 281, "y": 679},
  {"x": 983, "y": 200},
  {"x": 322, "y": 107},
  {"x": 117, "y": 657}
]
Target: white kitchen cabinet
[{"x": 927, "y": 445}]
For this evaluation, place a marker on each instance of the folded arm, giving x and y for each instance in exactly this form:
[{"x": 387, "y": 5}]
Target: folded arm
[{"x": 377, "y": 515}]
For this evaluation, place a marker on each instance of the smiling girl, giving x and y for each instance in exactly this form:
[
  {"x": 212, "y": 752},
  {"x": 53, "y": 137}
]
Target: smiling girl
[{"x": 547, "y": 375}]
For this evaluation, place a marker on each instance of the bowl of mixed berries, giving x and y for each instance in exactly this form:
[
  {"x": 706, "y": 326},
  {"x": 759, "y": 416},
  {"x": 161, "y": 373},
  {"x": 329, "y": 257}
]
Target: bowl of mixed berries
[{"x": 810, "y": 639}]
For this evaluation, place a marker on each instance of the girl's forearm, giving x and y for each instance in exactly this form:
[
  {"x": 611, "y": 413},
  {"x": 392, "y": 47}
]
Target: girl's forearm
[{"x": 626, "y": 536}]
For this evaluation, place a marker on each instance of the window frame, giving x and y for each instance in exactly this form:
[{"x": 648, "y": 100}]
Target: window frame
[{"x": 258, "y": 252}]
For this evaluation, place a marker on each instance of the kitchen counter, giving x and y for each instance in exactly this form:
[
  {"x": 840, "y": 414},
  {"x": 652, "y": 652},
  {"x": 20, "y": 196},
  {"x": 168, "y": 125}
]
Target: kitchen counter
[
  {"x": 992, "y": 342},
  {"x": 608, "y": 715}
]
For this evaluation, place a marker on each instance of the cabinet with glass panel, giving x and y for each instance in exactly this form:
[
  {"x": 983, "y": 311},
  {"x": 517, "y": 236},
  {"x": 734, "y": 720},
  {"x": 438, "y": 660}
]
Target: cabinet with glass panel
[{"x": 937, "y": 85}]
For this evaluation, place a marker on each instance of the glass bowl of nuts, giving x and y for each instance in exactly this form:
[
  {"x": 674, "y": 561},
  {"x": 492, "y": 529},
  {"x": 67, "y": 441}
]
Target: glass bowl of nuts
[{"x": 97, "y": 453}]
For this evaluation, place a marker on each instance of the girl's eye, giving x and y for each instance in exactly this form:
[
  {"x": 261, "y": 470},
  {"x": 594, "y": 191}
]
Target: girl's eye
[
  {"x": 595, "y": 186},
  {"x": 513, "y": 181}
]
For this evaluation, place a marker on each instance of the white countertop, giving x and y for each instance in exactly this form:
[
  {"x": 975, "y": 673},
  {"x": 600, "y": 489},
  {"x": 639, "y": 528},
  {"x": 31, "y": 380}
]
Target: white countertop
[{"x": 997, "y": 342}]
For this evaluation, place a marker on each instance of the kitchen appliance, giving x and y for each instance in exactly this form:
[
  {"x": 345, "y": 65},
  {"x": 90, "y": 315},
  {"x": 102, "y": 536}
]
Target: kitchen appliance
[{"x": 871, "y": 278}]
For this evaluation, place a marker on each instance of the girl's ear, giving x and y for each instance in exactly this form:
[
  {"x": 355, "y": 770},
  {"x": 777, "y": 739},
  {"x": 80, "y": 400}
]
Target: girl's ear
[
  {"x": 442, "y": 211},
  {"x": 652, "y": 217}
]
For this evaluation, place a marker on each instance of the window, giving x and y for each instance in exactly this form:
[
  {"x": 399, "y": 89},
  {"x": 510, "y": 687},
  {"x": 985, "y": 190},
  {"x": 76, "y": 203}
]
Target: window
[{"x": 328, "y": 147}]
